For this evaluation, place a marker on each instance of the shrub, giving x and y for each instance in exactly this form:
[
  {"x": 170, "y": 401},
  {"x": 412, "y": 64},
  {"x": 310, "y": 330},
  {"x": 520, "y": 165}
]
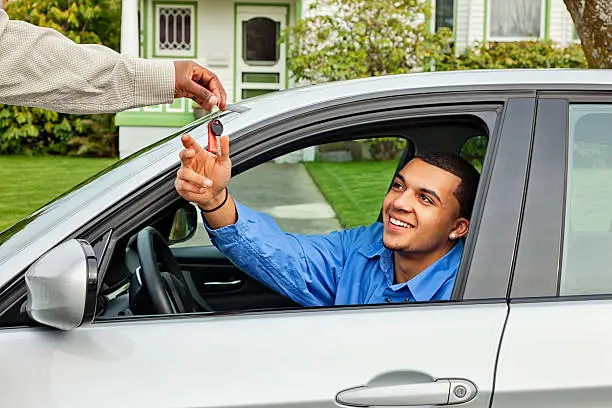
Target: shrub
[
  {"x": 346, "y": 39},
  {"x": 519, "y": 54},
  {"x": 38, "y": 131}
]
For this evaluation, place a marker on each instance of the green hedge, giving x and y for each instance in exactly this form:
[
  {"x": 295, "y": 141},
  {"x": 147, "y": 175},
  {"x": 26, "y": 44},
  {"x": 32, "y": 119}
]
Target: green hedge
[
  {"x": 37, "y": 131},
  {"x": 509, "y": 55}
]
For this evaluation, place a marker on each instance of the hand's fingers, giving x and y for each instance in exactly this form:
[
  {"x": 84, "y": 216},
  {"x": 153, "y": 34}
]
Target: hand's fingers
[
  {"x": 201, "y": 95},
  {"x": 189, "y": 196},
  {"x": 186, "y": 155},
  {"x": 203, "y": 103},
  {"x": 217, "y": 89},
  {"x": 190, "y": 143},
  {"x": 225, "y": 151},
  {"x": 210, "y": 81},
  {"x": 184, "y": 187},
  {"x": 187, "y": 174}
]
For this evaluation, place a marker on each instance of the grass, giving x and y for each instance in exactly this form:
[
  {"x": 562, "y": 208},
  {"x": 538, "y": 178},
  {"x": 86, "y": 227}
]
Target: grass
[
  {"x": 27, "y": 183},
  {"x": 355, "y": 190}
]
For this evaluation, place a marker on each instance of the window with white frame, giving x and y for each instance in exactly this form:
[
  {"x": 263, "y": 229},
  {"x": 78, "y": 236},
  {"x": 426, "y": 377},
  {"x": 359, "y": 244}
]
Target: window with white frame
[
  {"x": 516, "y": 19},
  {"x": 175, "y": 30}
]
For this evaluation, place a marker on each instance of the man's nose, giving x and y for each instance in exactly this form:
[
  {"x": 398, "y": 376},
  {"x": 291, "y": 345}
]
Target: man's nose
[{"x": 404, "y": 201}]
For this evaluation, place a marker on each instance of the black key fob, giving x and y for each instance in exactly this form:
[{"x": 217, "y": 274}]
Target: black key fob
[{"x": 216, "y": 127}]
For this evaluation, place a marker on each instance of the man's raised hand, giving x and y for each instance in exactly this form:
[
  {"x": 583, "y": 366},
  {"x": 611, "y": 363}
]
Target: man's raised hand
[{"x": 203, "y": 176}]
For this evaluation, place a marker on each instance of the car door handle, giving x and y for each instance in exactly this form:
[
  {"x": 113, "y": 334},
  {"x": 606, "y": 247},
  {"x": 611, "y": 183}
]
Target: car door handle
[{"x": 439, "y": 392}]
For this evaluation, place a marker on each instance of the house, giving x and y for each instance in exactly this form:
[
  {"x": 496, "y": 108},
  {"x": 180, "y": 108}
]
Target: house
[{"x": 237, "y": 39}]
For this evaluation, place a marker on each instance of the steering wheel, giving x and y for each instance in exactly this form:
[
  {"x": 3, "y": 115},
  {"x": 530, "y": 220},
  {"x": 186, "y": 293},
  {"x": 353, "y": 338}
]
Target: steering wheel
[{"x": 168, "y": 290}]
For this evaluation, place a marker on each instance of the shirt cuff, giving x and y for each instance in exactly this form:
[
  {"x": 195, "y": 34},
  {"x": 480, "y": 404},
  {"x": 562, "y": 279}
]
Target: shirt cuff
[
  {"x": 153, "y": 82},
  {"x": 229, "y": 233}
]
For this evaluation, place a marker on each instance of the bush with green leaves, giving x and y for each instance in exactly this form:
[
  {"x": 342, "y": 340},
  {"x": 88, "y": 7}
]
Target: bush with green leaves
[
  {"x": 509, "y": 55},
  {"x": 38, "y": 131},
  {"x": 347, "y": 39}
]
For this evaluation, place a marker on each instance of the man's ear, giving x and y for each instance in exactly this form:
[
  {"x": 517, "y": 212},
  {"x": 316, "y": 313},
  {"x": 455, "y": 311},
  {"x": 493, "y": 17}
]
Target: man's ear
[{"x": 460, "y": 228}]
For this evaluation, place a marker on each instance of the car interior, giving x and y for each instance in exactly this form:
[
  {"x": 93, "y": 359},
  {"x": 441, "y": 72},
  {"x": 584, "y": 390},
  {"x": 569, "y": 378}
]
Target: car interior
[{"x": 145, "y": 276}]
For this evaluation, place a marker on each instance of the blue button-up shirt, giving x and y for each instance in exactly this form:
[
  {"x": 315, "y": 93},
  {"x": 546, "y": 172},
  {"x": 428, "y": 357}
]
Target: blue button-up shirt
[{"x": 340, "y": 268}]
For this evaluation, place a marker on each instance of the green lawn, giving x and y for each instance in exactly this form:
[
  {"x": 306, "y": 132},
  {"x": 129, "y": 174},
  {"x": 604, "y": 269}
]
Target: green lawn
[
  {"x": 354, "y": 189},
  {"x": 27, "y": 183}
]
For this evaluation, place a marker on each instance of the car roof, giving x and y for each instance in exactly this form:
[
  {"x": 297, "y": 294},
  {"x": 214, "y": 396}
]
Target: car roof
[{"x": 277, "y": 103}]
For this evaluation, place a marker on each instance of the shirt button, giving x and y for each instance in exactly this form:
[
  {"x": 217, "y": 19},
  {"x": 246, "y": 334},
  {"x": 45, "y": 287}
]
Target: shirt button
[
  {"x": 388, "y": 300},
  {"x": 407, "y": 300}
]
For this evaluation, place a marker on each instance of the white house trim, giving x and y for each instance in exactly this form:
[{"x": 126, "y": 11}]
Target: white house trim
[{"x": 129, "y": 28}]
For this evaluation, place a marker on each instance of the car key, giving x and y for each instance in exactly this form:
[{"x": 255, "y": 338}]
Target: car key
[{"x": 215, "y": 128}]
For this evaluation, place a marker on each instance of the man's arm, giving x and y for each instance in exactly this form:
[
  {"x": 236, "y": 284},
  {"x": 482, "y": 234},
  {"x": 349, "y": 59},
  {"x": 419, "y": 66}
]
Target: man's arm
[
  {"x": 304, "y": 268},
  {"x": 40, "y": 67}
]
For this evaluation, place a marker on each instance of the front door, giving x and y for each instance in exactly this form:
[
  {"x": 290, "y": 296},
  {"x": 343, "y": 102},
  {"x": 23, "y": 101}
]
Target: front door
[{"x": 260, "y": 58}]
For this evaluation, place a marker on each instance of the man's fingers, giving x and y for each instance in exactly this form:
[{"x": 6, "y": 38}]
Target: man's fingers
[
  {"x": 199, "y": 84},
  {"x": 187, "y": 174},
  {"x": 186, "y": 155},
  {"x": 201, "y": 95},
  {"x": 184, "y": 187},
  {"x": 225, "y": 151},
  {"x": 190, "y": 143},
  {"x": 217, "y": 89}
]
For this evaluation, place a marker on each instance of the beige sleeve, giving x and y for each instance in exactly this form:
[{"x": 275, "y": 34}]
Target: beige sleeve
[{"x": 40, "y": 67}]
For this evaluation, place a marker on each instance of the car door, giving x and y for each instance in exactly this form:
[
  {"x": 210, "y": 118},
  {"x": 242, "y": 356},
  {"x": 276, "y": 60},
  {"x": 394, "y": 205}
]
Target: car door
[
  {"x": 421, "y": 354},
  {"x": 556, "y": 347}
]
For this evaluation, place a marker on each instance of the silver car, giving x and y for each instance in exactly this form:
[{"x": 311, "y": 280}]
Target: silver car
[{"x": 111, "y": 295}]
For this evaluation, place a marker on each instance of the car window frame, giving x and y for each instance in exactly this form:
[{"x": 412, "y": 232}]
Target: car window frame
[
  {"x": 131, "y": 211},
  {"x": 537, "y": 275}
]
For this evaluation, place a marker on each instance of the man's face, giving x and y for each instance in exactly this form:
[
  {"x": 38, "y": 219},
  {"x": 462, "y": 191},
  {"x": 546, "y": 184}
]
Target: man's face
[{"x": 421, "y": 211}]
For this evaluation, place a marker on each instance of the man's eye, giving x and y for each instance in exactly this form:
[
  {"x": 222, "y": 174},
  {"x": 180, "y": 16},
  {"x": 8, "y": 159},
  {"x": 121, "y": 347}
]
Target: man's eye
[
  {"x": 425, "y": 198},
  {"x": 397, "y": 186}
]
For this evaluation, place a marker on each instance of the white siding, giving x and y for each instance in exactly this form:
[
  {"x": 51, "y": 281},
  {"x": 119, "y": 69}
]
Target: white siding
[
  {"x": 470, "y": 22},
  {"x": 561, "y": 25},
  {"x": 216, "y": 40}
]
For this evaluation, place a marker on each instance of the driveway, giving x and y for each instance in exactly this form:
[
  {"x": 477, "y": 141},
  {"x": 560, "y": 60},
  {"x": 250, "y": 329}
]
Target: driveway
[{"x": 286, "y": 192}]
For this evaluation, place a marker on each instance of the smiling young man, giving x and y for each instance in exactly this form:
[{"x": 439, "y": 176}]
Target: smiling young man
[{"x": 413, "y": 255}]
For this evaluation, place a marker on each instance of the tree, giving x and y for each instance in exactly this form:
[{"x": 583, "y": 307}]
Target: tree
[
  {"x": 83, "y": 21},
  {"x": 345, "y": 39},
  {"x": 37, "y": 131},
  {"x": 593, "y": 22}
]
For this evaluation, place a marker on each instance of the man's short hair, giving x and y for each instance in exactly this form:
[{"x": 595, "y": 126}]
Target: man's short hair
[{"x": 466, "y": 191}]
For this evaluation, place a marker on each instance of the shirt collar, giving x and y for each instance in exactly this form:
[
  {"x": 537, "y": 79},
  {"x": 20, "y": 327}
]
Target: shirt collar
[{"x": 425, "y": 285}]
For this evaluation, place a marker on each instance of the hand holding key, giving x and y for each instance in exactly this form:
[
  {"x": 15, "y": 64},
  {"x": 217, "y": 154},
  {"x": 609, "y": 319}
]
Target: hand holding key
[{"x": 204, "y": 175}]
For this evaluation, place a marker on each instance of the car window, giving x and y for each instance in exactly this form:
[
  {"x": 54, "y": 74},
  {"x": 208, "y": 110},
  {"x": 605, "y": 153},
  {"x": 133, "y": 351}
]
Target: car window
[
  {"x": 335, "y": 185},
  {"x": 318, "y": 189},
  {"x": 587, "y": 245}
]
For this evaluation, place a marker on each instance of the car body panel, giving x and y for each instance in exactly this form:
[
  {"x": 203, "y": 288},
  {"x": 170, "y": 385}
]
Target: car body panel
[
  {"x": 555, "y": 349},
  {"x": 288, "y": 359},
  {"x": 556, "y": 354},
  {"x": 531, "y": 353}
]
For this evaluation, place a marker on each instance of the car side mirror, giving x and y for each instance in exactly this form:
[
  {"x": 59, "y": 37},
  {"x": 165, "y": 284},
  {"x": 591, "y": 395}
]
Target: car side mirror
[
  {"x": 62, "y": 285},
  {"x": 184, "y": 224}
]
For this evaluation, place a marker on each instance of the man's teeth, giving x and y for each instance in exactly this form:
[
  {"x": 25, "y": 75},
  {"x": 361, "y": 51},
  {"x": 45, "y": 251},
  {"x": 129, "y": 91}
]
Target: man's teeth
[{"x": 398, "y": 223}]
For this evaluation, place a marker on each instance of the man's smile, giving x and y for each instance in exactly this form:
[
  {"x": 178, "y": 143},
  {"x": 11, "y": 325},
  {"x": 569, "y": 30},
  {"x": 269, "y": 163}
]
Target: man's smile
[{"x": 396, "y": 224}]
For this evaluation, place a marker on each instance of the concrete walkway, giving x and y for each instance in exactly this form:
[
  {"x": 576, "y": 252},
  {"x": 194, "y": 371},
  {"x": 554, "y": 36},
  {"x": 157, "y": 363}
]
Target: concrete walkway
[{"x": 287, "y": 193}]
